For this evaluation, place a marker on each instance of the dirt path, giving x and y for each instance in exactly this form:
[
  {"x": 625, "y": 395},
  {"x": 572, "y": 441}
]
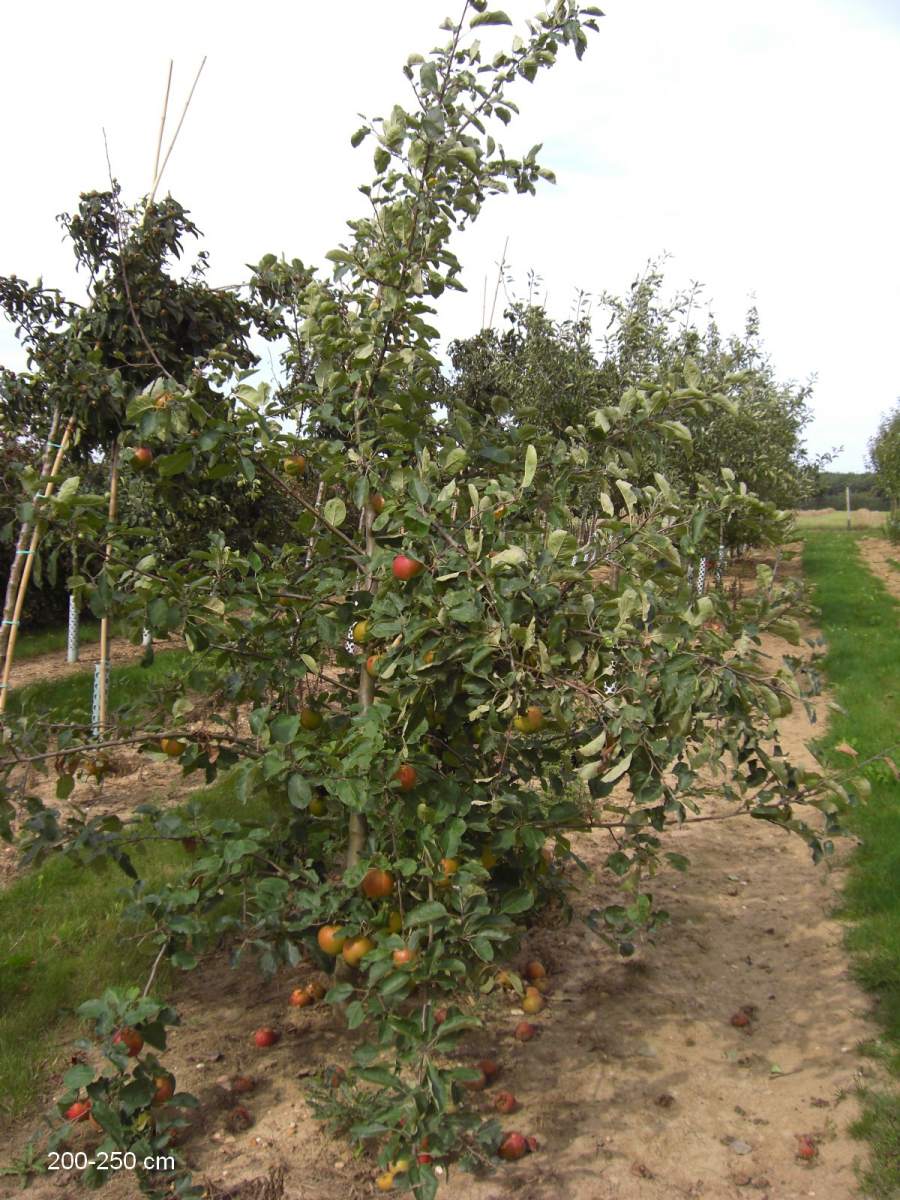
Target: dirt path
[
  {"x": 879, "y": 555},
  {"x": 46, "y": 667}
]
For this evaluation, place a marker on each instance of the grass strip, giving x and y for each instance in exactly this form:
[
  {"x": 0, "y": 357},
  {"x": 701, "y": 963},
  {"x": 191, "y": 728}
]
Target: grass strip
[
  {"x": 62, "y": 938},
  {"x": 861, "y": 624}
]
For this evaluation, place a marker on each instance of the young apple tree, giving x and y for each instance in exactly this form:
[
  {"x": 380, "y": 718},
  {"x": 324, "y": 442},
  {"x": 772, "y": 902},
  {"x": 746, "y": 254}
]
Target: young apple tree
[{"x": 428, "y": 682}]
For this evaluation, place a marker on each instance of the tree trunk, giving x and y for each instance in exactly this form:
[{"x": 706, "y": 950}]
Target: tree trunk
[{"x": 358, "y": 829}]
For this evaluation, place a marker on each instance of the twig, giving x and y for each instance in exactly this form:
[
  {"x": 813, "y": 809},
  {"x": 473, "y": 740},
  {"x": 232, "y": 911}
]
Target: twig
[{"x": 149, "y": 984}]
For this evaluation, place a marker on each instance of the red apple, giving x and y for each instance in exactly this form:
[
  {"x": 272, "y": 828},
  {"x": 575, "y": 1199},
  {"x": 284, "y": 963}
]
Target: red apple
[
  {"x": 165, "y": 1089},
  {"x": 525, "y": 1031},
  {"x": 266, "y": 1037},
  {"x": 806, "y": 1147},
  {"x": 377, "y": 503},
  {"x": 513, "y": 1146},
  {"x": 403, "y": 958},
  {"x": 424, "y": 1159},
  {"x": 506, "y": 1103},
  {"x": 490, "y": 1067},
  {"x": 532, "y": 1143},
  {"x": 406, "y": 568},
  {"x": 130, "y": 1039},
  {"x": 407, "y": 778},
  {"x": 78, "y": 1111},
  {"x": 377, "y": 884},
  {"x": 142, "y": 458}
]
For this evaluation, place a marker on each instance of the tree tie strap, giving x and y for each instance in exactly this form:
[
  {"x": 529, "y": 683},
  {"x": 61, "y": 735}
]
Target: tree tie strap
[
  {"x": 6, "y": 621},
  {"x": 24, "y": 552},
  {"x": 55, "y": 445}
]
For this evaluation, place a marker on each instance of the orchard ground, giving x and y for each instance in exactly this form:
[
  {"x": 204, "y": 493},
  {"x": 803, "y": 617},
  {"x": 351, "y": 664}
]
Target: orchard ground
[{"x": 637, "y": 1087}]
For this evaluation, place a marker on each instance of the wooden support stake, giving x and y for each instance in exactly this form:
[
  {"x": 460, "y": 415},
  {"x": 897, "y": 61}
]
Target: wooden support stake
[
  {"x": 18, "y": 563},
  {"x": 12, "y": 623},
  {"x": 104, "y": 622}
]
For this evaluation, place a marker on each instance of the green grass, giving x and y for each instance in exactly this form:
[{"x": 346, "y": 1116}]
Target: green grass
[
  {"x": 56, "y": 640},
  {"x": 48, "y": 641},
  {"x": 861, "y": 624},
  {"x": 69, "y": 697},
  {"x": 864, "y": 519},
  {"x": 61, "y": 936},
  {"x": 62, "y": 940}
]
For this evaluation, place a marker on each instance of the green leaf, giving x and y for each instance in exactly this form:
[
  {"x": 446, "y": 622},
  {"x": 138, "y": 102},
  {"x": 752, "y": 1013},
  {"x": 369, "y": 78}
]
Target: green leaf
[
  {"x": 618, "y": 770},
  {"x": 496, "y": 17},
  {"x": 425, "y": 914},
  {"x": 284, "y": 728},
  {"x": 531, "y": 460},
  {"x": 356, "y": 1014},
  {"x": 174, "y": 464},
  {"x": 593, "y": 747},
  {"x": 78, "y": 1077},
  {"x": 335, "y": 512},
  {"x": 627, "y": 494},
  {"x": 517, "y": 901},
  {"x": 299, "y": 792},
  {"x": 514, "y": 556},
  {"x": 340, "y": 993}
]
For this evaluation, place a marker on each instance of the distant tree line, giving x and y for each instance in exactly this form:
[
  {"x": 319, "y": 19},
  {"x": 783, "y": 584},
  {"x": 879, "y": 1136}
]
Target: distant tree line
[{"x": 830, "y": 491}]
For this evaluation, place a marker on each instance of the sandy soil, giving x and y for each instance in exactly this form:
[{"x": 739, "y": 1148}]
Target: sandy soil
[
  {"x": 879, "y": 555},
  {"x": 638, "y": 1087}
]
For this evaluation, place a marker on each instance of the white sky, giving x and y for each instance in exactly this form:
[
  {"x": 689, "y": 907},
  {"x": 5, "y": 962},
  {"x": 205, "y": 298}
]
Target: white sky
[{"x": 755, "y": 143}]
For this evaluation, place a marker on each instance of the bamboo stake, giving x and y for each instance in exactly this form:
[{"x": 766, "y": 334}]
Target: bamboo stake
[
  {"x": 12, "y": 624},
  {"x": 104, "y": 622},
  {"x": 162, "y": 126},
  {"x": 187, "y": 104},
  {"x": 18, "y": 563}
]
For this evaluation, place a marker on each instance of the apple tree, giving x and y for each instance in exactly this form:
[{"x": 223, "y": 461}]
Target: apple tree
[{"x": 429, "y": 682}]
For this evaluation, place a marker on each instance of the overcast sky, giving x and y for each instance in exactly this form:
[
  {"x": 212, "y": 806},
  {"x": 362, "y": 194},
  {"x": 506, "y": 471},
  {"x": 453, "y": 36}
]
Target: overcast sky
[{"x": 756, "y": 144}]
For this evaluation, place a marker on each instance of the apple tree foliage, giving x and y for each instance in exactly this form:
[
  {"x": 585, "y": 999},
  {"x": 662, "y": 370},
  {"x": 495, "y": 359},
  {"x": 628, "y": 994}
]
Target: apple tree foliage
[
  {"x": 147, "y": 311},
  {"x": 656, "y": 706},
  {"x": 884, "y": 454}
]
